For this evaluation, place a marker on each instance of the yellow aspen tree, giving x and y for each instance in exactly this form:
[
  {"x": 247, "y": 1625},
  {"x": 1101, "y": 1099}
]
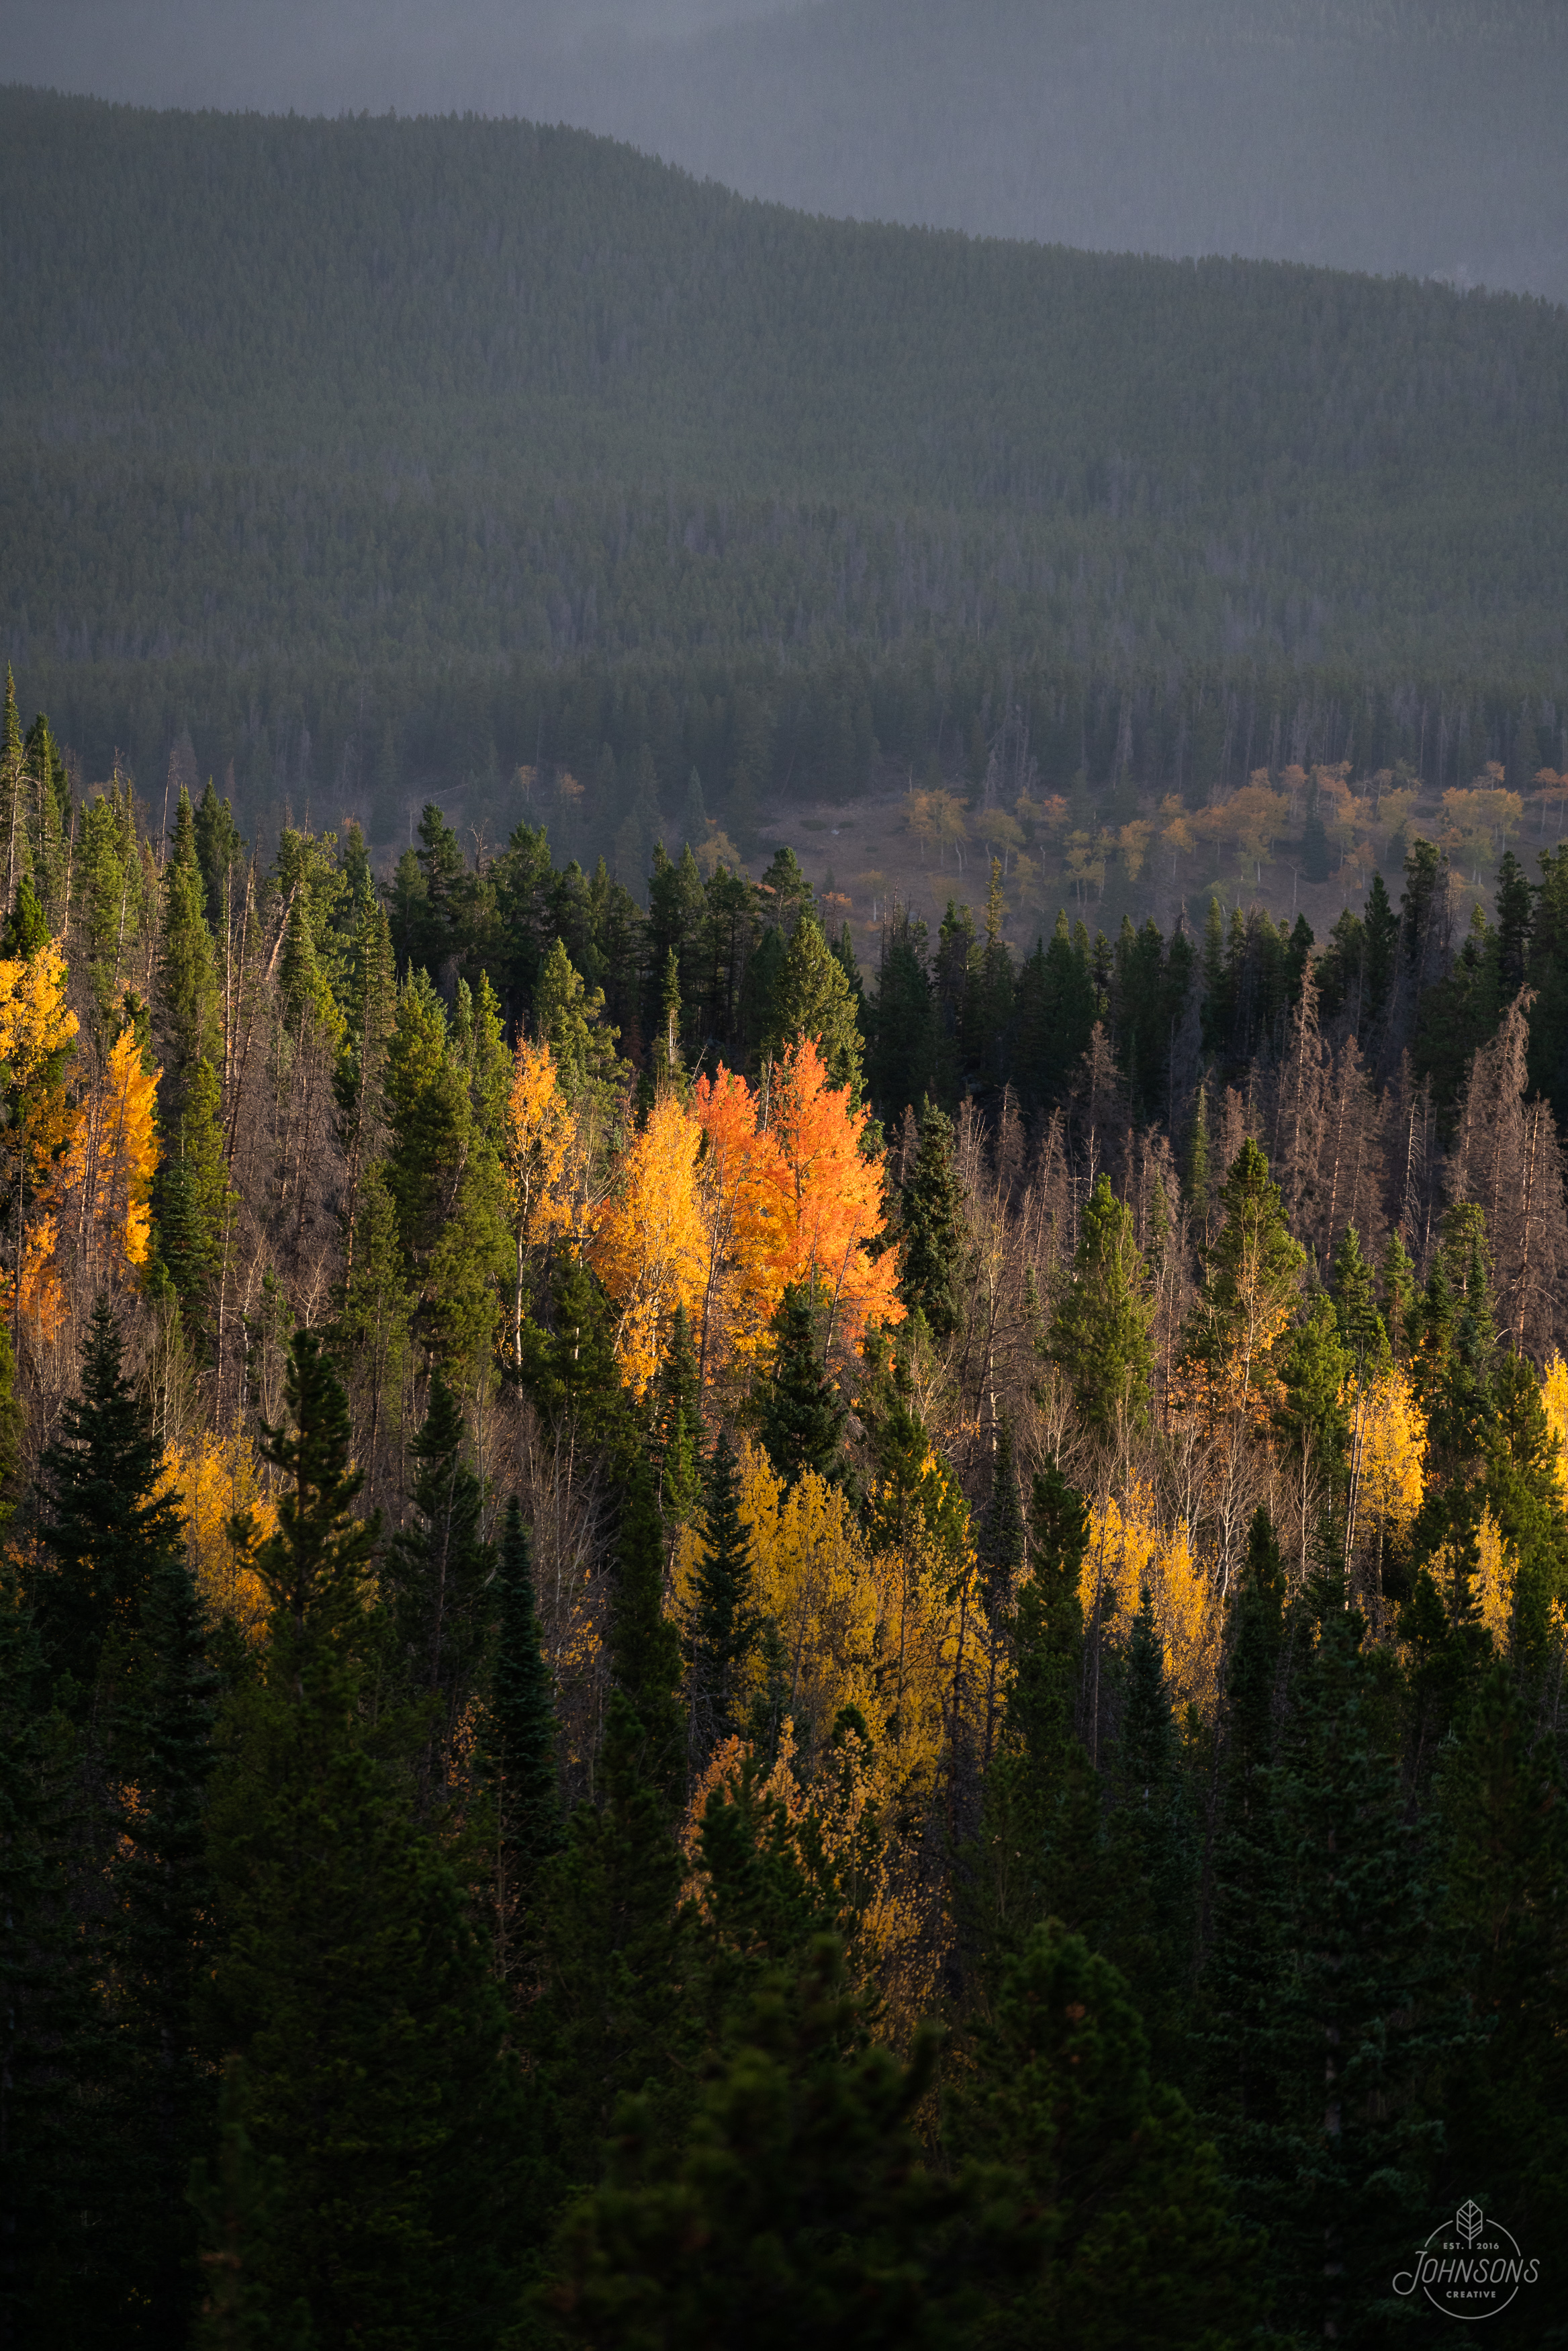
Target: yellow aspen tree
[
  {"x": 1554, "y": 1396},
  {"x": 648, "y": 1243},
  {"x": 109, "y": 1179},
  {"x": 215, "y": 1478},
  {"x": 1494, "y": 1583},
  {"x": 36, "y": 1034},
  {"x": 1130, "y": 1547},
  {"x": 1392, "y": 1451}
]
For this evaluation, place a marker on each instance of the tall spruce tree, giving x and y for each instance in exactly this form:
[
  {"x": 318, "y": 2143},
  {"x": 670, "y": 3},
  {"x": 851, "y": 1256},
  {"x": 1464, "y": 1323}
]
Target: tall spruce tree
[
  {"x": 435, "y": 1576},
  {"x": 1504, "y": 1825},
  {"x": 800, "y": 1417},
  {"x": 53, "y": 2038},
  {"x": 349, "y": 1991},
  {"x": 102, "y": 1516},
  {"x": 799, "y": 2209},
  {"x": 614, "y": 1956},
  {"x": 1112, "y": 2219},
  {"x": 196, "y": 1206},
  {"x": 1151, "y": 1854},
  {"x": 1354, "y": 2021},
  {"x": 520, "y": 1736},
  {"x": 935, "y": 1230},
  {"x": 1039, "y": 1847},
  {"x": 1100, "y": 1335},
  {"x": 160, "y": 1945},
  {"x": 187, "y": 991},
  {"x": 677, "y": 1432},
  {"x": 1001, "y": 1550},
  {"x": 723, "y": 1625},
  {"x": 1243, "y": 1966}
]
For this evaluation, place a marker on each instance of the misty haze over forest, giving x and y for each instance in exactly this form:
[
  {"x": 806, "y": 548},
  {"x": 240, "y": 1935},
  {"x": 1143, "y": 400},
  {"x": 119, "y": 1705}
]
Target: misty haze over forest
[{"x": 1393, "y": 135}]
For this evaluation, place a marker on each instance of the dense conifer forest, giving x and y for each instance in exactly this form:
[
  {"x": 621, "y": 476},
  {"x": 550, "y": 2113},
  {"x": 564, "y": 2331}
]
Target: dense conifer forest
[
  {"x": 719, "y": 1626},
  {"x": 383, "y": 455},
  {"x": 698, "y": 1644}
]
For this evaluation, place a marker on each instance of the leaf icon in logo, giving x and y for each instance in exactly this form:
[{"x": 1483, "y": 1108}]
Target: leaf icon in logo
[{"x": 1469, "y": 2221}]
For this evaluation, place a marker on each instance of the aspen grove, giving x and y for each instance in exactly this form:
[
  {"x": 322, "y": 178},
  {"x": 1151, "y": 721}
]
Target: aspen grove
[{"x": 699, "y": 1647}]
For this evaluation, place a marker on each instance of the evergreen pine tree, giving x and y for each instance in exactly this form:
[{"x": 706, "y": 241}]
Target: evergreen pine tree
[
  {"x": 811, "y": 997},
  {"x": 187, "y": 994},
  {"x": 436, "y": 1571},
  {"x": 51, "y": 2037},
  {"x": 1398, "y": 1280},
  {"x": 644, "y": 1644},
  {"x": 799, "y": 2211},
  {"x": 1505, "y": 1830},
  {"x": 348, "y": 1981},
  {"x": 612, "y": 1946},
  {"x": 1352, "y": 2019},
  {"x": 164, "y": 1900},
  {"x": 934, "y": 1232},
  {"x": 569, "y": 1369},
  {"x": 28, "y": 928},
  {"x": 1195, "y": 1173},
  {"x": 195, "y": 1203},
  {"x": 1241, "y": 1969},
  {"x": 220, "y": 852},
  {"x": 800, "y": 1418},
  {"x": 1252, "y": 1274},
  {"x": 1113, "y": 2215},
  {"x": 102, "y": 1517},
  {"x": 677, "y": 1437},
  {"x": 1150, "y": 1852},
  {"x": 1100, "y": 1335},
  {"x": 721, "y": 1626},
  {"x": 1039, "y": 1849},
  {"x": 520, "y": 1733},
  {"x": 1361, "y": 1325}
]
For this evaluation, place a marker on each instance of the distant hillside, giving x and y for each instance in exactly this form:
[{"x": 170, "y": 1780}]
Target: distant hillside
[
  {"x": 295, "y": 407},
  {"x": 1415, "y": 135}
]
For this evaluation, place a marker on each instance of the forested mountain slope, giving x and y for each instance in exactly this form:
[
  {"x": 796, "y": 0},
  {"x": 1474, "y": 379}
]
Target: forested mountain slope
[
  {"x": 729, "y": 1615},
  {"x": 1419, "y": 135},
  {"x": 339, "y": 428}
]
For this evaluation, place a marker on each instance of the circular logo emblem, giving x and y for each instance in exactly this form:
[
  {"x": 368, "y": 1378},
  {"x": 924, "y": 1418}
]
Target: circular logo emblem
[{"x": 1470, "y": 2267}]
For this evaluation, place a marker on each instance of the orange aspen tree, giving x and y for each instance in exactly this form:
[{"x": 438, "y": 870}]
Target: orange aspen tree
[
  {"x": 828, "y": 1197},
  {"x": 648, "y": 1243},
  {"x": 739, "y": 1178}
]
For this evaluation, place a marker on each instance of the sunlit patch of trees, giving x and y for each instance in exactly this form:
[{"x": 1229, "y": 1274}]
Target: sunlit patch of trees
[{"x": 693, "y": 1643}]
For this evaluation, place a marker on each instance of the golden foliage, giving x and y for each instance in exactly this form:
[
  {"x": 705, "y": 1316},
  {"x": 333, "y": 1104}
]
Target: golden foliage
[
  {"x": 1494, "y": 1583},
  {"x": 1393, "y": 1451},
  {"x": 35, "y": 1024},
  {"x": 1554, "y": 1396},
  {"x": 216, "y": 1478},
  {"x": 647, "y": 1247},
  {"x": 539, "y": 1134},
  {"x": 36, "y": 1030},
  {"x": 1129, "y": 1550}
]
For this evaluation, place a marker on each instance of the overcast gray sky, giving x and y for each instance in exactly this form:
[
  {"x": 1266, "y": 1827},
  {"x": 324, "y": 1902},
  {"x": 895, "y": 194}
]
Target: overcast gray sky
[{"x": 1421, "y": 135}]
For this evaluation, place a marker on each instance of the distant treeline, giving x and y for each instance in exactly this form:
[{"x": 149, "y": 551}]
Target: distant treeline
[
  {"x": 446, "y": 444},
  {"x": 286, "y": 742}
]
